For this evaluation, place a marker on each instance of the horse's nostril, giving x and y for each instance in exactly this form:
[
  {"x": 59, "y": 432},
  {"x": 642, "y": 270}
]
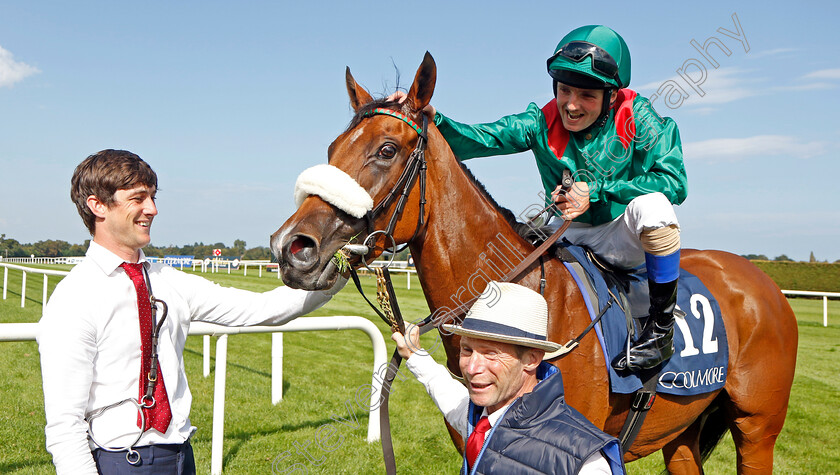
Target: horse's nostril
[
  {"x": 299, "y": 244},
  {"x": 302, "y": 252}
]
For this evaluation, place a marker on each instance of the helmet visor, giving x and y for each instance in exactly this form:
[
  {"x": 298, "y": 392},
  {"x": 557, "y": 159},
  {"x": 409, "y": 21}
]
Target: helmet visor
[{"x": 577, "y": 51}]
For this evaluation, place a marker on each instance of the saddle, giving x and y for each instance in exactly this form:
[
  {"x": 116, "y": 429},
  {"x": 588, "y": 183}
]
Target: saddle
[
  {"x": 629, "y": 290},
  {"x": 619, "y": 300},
  {"x": 631, "y": 295},
  {"x": 601, "y": 285}
]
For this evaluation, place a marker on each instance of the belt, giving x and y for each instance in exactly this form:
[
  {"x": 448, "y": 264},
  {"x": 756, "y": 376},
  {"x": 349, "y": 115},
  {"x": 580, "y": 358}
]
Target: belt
[{"x": 146, "y": 453}]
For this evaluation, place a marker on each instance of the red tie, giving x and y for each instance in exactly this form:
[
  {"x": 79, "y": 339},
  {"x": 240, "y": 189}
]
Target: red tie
[
  {"x": 159, "y": 415},
  {"x": 476, "y": 440}
]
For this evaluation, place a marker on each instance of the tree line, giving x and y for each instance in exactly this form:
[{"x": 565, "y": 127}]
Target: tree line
[
  {"x": 783, "y": 258},
  {"x": 239, "y": 250},
  {"x": 58, "y": 248}
]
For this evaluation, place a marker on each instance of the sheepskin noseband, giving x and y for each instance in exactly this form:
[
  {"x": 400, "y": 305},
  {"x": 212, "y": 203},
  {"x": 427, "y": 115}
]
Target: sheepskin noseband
[{"x": 335, "y": 187}]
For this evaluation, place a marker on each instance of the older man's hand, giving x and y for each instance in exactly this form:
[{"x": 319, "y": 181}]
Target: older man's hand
[{"x": 407, "y": 345}]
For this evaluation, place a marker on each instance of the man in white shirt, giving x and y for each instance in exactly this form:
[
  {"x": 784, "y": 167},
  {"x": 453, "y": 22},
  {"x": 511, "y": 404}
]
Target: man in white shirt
[
  {"x": 98, "y": 368},
  {"x": 510, "y": 410}
]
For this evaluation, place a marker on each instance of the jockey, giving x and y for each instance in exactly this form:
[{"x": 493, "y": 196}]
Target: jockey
[{"x": 627, "y": 165}]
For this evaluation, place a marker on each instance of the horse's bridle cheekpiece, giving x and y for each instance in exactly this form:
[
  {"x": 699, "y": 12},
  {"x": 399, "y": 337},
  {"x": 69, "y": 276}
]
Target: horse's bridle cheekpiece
[{"x": 416, "y": 165}]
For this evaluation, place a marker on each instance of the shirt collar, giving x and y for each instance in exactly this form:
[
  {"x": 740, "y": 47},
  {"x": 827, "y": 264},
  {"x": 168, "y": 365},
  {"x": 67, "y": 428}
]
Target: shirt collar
[
  {"x": 105, "y": 259},
  {"x": 493, "y": 418}
]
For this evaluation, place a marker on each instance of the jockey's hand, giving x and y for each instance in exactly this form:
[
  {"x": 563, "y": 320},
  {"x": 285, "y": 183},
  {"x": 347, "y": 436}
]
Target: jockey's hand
[
  {"x": 401, "y": 96},
  {"x": 407, "y": 345},
  {"x": 573, "y": 203}
]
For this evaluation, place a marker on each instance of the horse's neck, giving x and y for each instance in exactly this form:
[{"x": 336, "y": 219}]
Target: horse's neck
[{"x": 467, "y": 242}]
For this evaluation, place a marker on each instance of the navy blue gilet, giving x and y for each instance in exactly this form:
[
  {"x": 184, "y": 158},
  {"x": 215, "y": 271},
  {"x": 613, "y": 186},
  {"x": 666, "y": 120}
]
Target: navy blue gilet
[{"x": 539, "y": 433}]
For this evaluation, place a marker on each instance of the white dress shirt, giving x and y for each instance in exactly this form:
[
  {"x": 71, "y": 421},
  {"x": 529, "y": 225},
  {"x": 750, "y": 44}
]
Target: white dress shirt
[
  {"x": 453, "y": 399},
  {"x": 90, "y": 349}
]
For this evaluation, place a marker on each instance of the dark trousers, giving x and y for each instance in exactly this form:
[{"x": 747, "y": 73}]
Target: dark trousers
[{"x": 169, "y": 459}]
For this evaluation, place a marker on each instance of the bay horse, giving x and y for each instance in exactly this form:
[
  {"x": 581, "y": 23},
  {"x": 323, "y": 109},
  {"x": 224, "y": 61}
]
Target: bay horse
[{"x": 453, "y": 225}]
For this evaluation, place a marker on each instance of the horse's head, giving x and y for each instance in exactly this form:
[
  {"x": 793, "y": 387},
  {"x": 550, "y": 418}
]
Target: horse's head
[{"x": 370, "y": 166}]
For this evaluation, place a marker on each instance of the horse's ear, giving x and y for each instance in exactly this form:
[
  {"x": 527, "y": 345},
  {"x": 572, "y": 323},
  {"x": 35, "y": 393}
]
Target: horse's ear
[
  {"x": 424, "y": 83},
  {"x": 358, "y": 95}
]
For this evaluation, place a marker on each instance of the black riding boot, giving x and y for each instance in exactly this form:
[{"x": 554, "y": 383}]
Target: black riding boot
[{"x": 656, "y": 343}]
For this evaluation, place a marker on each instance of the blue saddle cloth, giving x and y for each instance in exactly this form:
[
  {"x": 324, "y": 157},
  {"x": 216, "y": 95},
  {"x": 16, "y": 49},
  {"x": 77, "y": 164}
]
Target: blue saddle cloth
[{"x": 701, "y": 353}]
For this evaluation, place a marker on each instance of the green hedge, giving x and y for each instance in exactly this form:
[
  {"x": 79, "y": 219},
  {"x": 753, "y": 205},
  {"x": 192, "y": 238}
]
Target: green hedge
[{"x": 820, "y": 277}]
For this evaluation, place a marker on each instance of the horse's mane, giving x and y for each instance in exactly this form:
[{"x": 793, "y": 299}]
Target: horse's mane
[
  {"x": 505, "y": 212},
  {"x": 524, "y": 230}
]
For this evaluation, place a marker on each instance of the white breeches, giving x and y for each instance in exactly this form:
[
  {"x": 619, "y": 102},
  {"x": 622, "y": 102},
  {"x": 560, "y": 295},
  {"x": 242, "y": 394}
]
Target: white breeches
[{"x": 618, "y": 242}]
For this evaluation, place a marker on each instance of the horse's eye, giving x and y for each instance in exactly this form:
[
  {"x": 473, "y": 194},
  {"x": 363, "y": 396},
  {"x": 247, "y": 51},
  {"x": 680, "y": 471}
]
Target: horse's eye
[{"x": 387, "y": 151}]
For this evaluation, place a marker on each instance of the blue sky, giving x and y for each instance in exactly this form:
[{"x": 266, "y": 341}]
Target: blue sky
[{"x": 229, "y": 102}]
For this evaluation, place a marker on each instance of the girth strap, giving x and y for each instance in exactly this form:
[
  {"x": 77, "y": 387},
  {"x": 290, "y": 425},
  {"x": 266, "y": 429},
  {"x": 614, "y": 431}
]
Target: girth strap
[
  {"x": 642, "y": 402},
  {"x": 644, "y": 397}
]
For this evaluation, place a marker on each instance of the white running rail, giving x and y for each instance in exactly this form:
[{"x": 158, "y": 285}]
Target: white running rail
[{"x": 29, "y": 332}]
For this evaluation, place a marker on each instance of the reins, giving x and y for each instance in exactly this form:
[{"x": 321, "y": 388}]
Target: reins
[{"x": 415, "y": 167}]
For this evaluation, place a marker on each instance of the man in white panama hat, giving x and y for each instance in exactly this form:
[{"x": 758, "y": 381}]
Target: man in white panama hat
[{"x": 511, "y": 409}]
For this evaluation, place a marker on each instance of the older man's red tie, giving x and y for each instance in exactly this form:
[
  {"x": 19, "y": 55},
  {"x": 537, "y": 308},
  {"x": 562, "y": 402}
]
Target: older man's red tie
[{"x": 476, "y": 440}]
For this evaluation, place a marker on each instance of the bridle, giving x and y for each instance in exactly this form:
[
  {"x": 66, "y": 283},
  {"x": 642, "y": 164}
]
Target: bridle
[{"x": 415, "y": 166}]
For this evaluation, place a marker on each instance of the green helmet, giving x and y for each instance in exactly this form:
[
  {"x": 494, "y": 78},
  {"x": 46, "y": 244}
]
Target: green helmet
[{"x": 596, "y": 52}]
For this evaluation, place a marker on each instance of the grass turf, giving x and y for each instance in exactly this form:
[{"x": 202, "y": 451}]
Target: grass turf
[{"x": 319, "y": 426}]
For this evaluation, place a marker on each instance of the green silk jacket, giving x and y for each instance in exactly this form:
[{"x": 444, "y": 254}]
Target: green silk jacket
[{"x": 636, "y": 152}]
